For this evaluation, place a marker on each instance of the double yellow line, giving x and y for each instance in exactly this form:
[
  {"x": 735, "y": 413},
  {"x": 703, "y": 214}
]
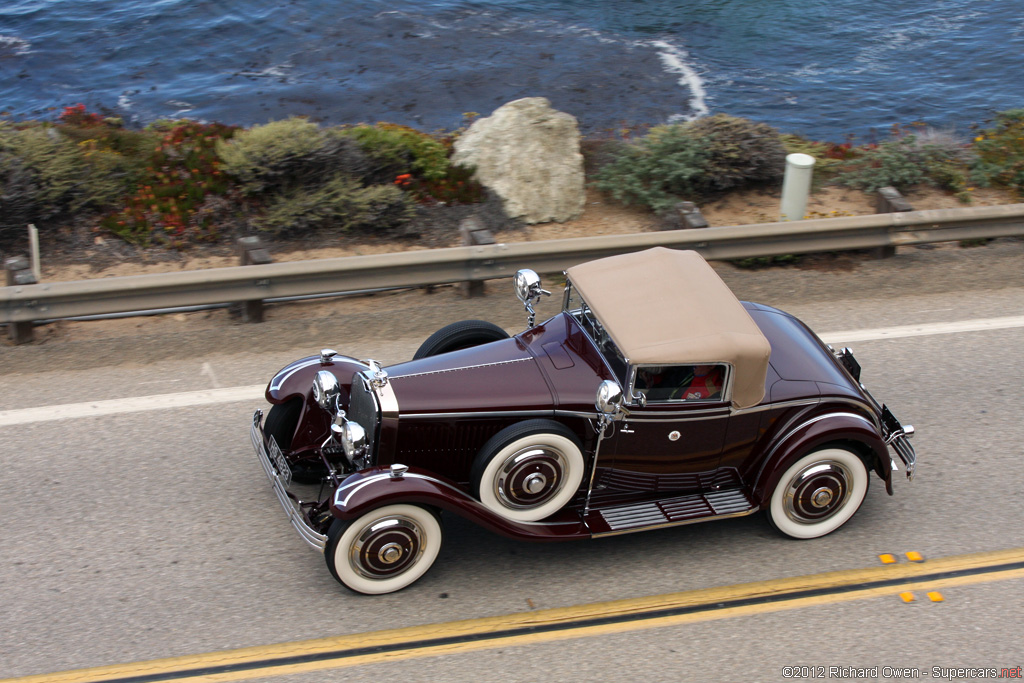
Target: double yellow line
[{"x": 557, "y": 624}]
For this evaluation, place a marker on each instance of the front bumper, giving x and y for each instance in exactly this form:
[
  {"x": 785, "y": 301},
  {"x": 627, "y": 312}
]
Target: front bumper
[{"x": 280, "y": 477}]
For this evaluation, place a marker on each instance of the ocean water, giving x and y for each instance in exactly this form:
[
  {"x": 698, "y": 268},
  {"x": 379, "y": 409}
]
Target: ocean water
[{"x": 827, "y": 69}]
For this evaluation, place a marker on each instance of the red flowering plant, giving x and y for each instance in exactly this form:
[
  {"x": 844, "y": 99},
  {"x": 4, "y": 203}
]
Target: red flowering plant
[
  {"x": 77, "y": 116},
  {"x": 457, "y": 186},
  {"x": 183, "y": 171}
]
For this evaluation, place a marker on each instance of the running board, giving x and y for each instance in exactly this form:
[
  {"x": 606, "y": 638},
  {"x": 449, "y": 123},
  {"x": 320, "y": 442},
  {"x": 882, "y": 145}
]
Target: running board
[{"x": 698, "y": 507}]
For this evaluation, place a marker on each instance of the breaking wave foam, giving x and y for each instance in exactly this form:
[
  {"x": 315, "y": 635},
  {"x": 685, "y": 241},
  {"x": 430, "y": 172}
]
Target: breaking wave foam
[{"x": 674, "y": 59}]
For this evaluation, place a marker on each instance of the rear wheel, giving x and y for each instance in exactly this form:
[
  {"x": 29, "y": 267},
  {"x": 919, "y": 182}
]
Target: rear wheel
[
  {"x": 818, "y": 493},
  {"x": 385, "y": 549},
  {"x": 461, "y": 335}
]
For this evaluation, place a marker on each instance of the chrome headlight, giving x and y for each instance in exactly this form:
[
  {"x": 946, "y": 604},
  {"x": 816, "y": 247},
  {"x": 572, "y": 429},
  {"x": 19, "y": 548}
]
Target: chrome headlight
[
  {"x": 326, "y": 390},
  {"x": 352, "y": 437}
]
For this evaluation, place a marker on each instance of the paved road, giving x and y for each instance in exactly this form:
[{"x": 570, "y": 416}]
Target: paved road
[{"x": 141, "y": 535}]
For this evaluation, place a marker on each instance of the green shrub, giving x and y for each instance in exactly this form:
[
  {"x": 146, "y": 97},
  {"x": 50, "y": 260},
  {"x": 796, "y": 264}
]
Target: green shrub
[
  {"x": 342, "y": 204},
  {"x": 285, "y": 155},
  {"x": 906, "y": 161},
  {"x": 1000, "y": 152},
  {"x": 42, "y": 176},
  {"x": 740, "y": 152},
  {"x": 394, "y": 150},
  {"x": 696, "y": 160}
]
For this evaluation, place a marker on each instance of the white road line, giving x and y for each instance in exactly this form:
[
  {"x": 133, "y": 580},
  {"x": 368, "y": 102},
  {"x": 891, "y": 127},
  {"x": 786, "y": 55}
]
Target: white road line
[
  {"x": 254, "y": 393},
  {"x": 135, "y": 404},
  {"x": 977, "y": 325}
]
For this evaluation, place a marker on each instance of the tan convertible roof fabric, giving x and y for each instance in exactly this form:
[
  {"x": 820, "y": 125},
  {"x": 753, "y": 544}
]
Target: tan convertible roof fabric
[{"x": 665, "y": 306}]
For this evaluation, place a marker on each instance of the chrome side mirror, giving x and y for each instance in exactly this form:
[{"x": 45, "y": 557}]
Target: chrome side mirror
[
  {"x": 609, "y": 398},
  {"x": 529, "y": 291}
]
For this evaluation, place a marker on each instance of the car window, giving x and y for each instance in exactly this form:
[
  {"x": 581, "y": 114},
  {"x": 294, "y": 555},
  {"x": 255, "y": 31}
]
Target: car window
[
  {"x": 680, "y": 382},
  {"x": 577, "y": 308}
]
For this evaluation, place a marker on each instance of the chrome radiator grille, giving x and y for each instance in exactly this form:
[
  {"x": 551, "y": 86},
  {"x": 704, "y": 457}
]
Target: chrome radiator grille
[{"x": 363, "y": 408}]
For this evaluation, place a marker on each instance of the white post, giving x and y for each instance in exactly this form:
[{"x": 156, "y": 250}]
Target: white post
[
  {"x": 33, "y": 246},
  {"x": 796, "y": 186}
]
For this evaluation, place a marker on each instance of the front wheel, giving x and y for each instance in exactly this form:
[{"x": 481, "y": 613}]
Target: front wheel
[
  {"x": 384, "y": 550},
  {"x": 818, "y": 493}
]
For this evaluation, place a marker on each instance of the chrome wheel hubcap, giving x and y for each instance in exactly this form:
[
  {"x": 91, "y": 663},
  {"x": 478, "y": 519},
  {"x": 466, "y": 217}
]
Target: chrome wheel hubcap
[
  {"x": 530, "y": 477},
  {"x": 817, "y": 491},
  {"x": 387, "y": 547}
]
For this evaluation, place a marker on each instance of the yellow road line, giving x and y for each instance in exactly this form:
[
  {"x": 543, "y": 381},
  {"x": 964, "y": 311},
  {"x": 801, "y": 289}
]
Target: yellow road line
[{"x": 560, "y": 623}]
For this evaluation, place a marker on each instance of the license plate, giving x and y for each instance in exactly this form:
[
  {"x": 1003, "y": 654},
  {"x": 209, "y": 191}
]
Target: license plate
[{"x": 284, "y": 472}]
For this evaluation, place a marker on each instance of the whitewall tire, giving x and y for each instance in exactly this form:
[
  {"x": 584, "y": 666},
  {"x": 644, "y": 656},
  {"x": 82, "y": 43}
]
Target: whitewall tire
[
  {"x": 385, "y": 549},
  {"x": 818, "y": 493},
  {"x": 528, "y": 471}
]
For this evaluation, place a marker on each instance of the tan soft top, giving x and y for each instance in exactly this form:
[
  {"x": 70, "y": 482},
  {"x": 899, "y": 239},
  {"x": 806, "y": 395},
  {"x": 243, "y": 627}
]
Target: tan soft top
[{"x": 665, "y": 306}]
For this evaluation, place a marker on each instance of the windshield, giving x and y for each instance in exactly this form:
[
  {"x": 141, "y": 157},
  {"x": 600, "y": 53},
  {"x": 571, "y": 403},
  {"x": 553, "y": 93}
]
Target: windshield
[{"x": 574, "y": 305}]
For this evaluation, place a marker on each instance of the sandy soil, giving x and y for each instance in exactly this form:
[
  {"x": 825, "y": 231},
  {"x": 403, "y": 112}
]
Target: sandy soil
[{"x": 600, "y": 217}]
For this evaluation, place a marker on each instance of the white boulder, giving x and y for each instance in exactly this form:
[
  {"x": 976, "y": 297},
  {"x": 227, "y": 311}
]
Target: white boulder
[{"x": 529, "y": 155}]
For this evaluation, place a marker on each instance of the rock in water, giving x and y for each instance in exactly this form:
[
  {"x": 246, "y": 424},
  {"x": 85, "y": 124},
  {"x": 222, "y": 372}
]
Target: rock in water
[{"x": 529, "y": 155}]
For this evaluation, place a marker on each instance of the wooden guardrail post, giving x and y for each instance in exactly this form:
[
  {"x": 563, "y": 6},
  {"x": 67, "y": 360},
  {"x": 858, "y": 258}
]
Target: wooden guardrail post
[
  {"x": 690, "y": 216},
  {"x": 889, "y": 200},
  {"x": 251, "y": 252},
  {"x": 19, "y": 272},
  {"x": 474, "y": 233}
]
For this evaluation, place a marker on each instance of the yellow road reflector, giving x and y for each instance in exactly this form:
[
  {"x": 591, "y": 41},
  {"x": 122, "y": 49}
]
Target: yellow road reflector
[
  {"x": 915, "y": 556},
  {"x": 936, "y": 596},
  {"x": 907, "y": 597},
  {"x": 887, "y": 558}
]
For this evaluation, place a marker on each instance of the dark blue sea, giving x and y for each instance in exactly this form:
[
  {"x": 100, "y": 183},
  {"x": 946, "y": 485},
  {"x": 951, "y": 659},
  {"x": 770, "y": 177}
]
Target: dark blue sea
[{"x": 823, "y": 68}]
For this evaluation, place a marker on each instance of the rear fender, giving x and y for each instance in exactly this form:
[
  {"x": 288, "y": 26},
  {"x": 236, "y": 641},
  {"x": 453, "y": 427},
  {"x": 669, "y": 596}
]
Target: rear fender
[
  {"x": 840, "y": 427},
  {"x": 295, "y": 382},
  {"x": 375, "y": 487}
]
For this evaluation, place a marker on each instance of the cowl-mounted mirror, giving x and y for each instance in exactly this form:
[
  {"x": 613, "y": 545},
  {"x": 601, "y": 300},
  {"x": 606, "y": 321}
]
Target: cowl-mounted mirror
[{"x": 529, "y": 291}]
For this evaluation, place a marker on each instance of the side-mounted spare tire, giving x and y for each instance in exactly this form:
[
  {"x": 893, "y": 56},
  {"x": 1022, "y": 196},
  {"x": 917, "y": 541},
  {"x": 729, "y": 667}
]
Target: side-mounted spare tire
[
  {"x": 529, "y": 470},
  {"x": 461, "y": 335}
]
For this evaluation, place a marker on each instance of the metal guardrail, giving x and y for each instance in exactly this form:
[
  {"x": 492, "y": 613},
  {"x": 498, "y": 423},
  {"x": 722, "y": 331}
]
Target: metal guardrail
[{"x": 58, "y": 300}]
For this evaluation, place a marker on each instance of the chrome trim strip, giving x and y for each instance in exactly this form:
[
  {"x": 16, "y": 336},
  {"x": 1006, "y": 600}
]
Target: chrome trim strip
[
  {"x": 676, "y": 417},
  {"x": 464, "y": 367},
  {"x": 358, "y": 485},
  {"x": 291, "y": 508},
  {"x": 721, "y": 411},
  {"x": 780, "y": 405},
  {"x": 483, "y": 413}
]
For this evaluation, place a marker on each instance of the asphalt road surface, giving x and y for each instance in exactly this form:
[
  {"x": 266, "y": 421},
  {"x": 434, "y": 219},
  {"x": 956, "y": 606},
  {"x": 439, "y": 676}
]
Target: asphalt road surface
[{"x": 136, "y": 524}]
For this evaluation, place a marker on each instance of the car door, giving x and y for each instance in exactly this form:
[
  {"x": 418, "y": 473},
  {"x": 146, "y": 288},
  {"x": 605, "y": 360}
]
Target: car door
[{"x": 674, "y": 443}]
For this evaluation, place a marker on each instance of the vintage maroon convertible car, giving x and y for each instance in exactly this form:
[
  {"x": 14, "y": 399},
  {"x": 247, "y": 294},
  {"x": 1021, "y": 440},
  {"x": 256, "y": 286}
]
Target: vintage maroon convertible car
[{"x": 655, "y": 398}]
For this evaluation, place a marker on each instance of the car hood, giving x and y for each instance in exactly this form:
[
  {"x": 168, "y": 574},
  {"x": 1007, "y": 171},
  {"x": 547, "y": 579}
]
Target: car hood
[{"x": 499, "y": 376}]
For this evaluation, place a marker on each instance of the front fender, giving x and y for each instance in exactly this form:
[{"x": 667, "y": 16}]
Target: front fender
[
  {"x": 294, "y": 382},
  {"x": 375, "y": 487},
  {"x": 296, "y": 378},
  {"x": 848, "y": 428}
]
